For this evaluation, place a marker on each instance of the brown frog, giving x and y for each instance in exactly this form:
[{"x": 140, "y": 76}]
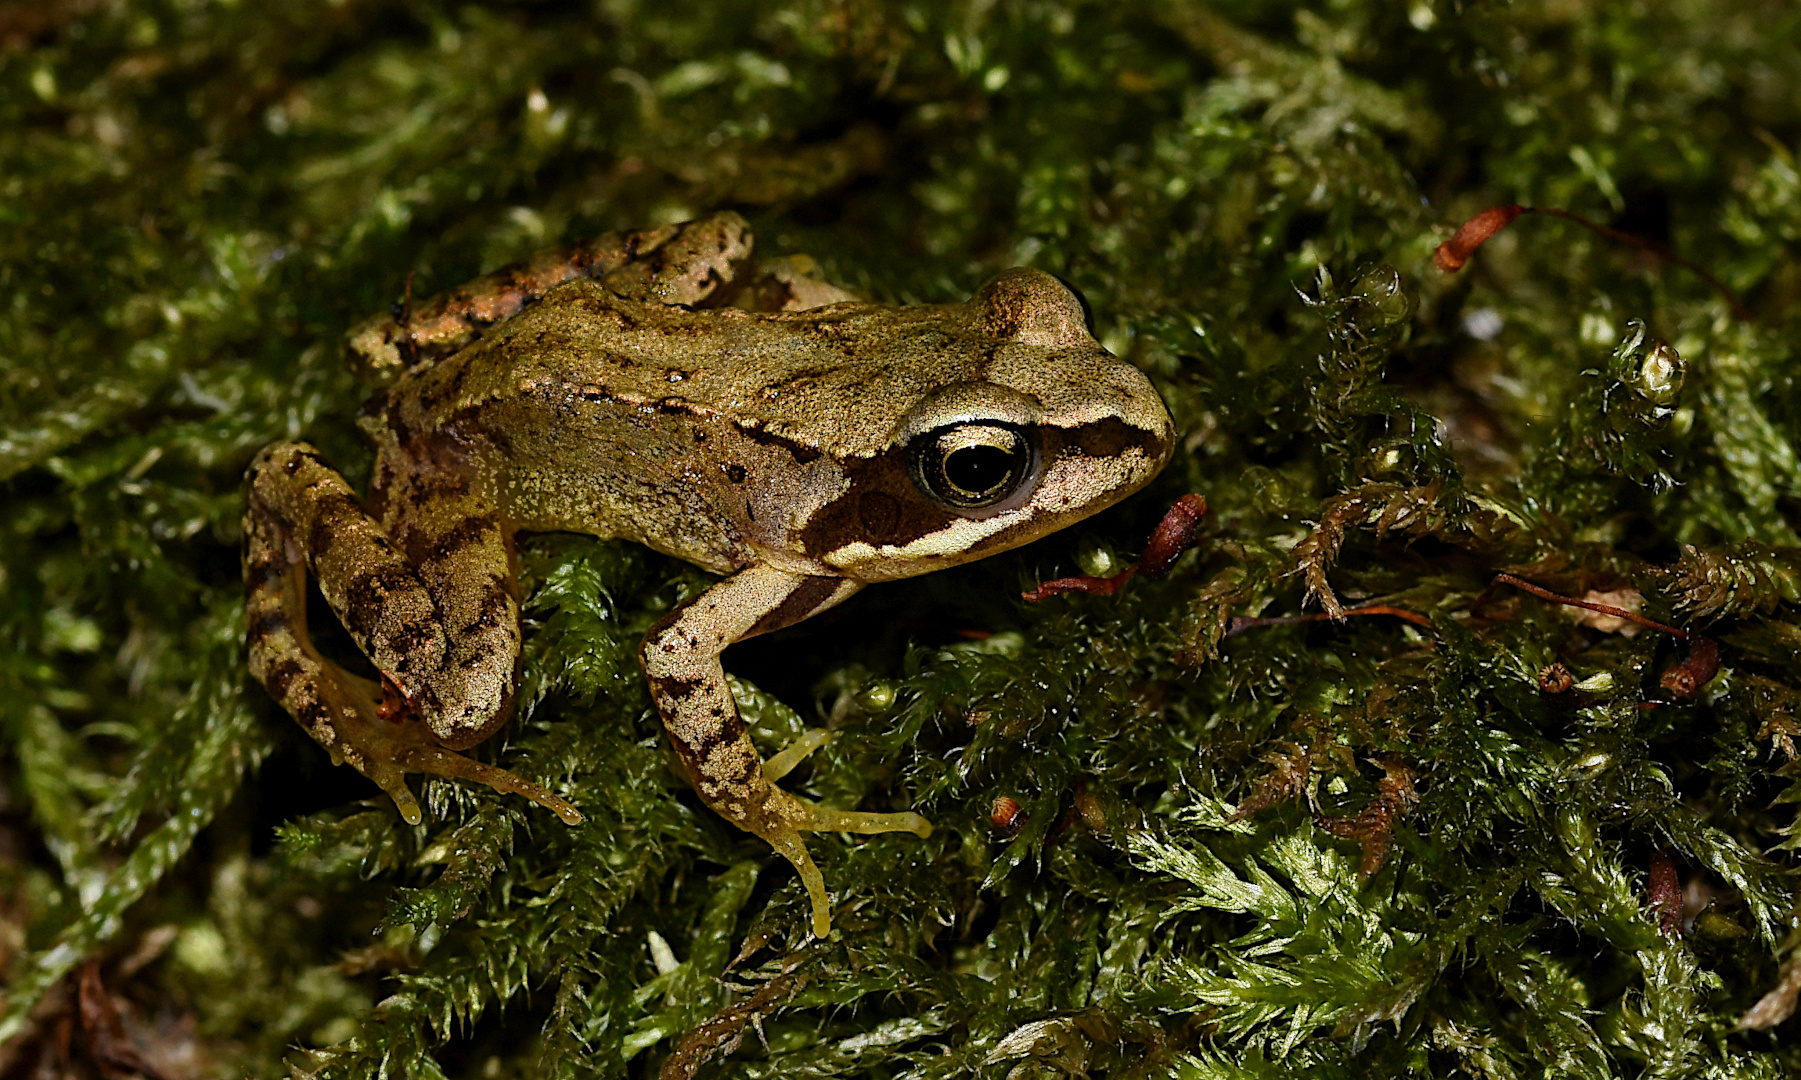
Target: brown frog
[{"x": 659, "y": 386}]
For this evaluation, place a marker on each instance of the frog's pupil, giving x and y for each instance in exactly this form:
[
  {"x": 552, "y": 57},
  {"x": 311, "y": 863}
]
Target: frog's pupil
[
  {"x": 978, "y": 469},
  {"x": 971, "y": 466}
]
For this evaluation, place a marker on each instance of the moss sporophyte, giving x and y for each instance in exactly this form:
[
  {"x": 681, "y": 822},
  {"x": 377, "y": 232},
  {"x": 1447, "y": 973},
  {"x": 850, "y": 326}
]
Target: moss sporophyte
[{"x": 1464, "y": 740}]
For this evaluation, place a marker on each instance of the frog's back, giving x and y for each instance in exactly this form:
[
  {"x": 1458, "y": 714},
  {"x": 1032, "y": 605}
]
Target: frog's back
[
  {"x": 840, "y": 378},
  {"x": 592, "y": 413},
  {"x": 672, "y": 264},
  {"x": 728, "y": 437}
]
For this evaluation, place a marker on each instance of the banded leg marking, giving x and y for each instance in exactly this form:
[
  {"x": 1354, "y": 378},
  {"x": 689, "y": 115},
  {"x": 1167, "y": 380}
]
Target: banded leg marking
[
  {"x": 301, "y": 515},
  {"x": 681, "y": 659}
]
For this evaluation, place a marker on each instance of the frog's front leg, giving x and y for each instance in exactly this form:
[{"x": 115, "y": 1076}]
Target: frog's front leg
[
  {"x": 301, "y": 515},
  {"x": 681, "y": 658}
]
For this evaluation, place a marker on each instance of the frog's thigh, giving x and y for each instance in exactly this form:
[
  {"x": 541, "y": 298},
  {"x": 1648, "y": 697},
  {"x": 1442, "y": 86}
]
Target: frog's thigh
[
  {"x": 465, "y": 558},
  {"x": 300, "y": 512},
  {"x": 681, "y": 658},
  {"x": 300, "y": 509}
]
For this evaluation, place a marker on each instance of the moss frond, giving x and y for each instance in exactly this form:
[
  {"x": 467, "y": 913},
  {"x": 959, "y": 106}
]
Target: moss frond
[{"x": 1240, "y": 839}]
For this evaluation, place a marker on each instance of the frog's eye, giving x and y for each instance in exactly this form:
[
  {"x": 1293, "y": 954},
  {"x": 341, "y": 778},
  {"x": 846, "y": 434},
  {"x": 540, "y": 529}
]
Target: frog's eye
[{"x": 971, "y": 466}]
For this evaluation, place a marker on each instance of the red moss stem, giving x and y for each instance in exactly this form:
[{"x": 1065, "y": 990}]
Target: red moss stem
[{"x": 1451, "y": 255}]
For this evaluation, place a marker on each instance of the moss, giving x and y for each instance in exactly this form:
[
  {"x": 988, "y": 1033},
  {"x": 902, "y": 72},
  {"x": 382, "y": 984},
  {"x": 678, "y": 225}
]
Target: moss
[{"x": 1244, "y": 848}]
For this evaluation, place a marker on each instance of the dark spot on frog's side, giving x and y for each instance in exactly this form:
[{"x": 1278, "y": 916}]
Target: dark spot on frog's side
[
  {"x": 735, "y": 473},
  {"x": 280, "y": 677},
  {"x": 672, "y": 689},
  {"x": 269, "y": 622}
]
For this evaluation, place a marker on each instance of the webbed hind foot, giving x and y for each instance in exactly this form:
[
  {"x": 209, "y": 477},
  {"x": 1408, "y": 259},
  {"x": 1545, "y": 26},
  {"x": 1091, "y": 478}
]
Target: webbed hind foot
[{"x": 384, "y": 743}]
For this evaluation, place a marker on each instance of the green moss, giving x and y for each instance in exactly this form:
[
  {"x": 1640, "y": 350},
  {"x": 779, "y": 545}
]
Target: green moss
[{"x": 1446, "y": 869}]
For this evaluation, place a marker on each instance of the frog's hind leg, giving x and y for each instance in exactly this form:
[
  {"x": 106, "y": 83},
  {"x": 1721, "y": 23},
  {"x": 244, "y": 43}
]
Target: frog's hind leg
[
  {"x": 681, "y": 659},
  {"x": 293, "y": 496}
]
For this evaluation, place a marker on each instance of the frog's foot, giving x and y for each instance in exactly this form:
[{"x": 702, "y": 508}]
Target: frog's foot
[
  {"x": 797, "y": 815},
  {"x": 793, "y": 816},
  {"x": 427, "y": 757},
  {"x": 384, "y": 744}
]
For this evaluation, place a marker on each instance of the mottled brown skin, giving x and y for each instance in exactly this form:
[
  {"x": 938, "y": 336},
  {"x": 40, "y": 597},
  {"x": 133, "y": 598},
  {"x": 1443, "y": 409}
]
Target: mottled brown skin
[{"x": 803, "y": 453}]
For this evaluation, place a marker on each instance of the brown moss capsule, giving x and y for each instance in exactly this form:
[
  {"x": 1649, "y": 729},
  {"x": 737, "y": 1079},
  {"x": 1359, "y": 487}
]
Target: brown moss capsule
[
  {"x": 1173, "y": 535},
  {"x": 1093, "y": 814},
  {"x": 1696, "y": 670},
  {"x": 1663, "y": 890},
  {"x": 1453, "y": 253},
  {"x": 1555, "y": 679},
  {"x": 1007, "y": 815}
]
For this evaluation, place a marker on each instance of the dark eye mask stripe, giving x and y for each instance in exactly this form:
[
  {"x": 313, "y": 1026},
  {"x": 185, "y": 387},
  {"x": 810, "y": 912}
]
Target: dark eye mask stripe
[{"x": 883, "y": 507}]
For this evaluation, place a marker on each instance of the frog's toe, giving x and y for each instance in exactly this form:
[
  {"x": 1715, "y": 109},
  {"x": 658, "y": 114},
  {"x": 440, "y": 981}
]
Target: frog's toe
[
  {"x": 428, "y": 758},
  {"x": 391, "y": 778},
  {"x": 816, "y": 818},
  {"x": 794, "y": 753},
  {"x": 790, "y": 846}
]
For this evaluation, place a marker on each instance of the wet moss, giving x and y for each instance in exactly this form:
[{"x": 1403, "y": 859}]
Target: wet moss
[{"x": 1244, "y": 845}]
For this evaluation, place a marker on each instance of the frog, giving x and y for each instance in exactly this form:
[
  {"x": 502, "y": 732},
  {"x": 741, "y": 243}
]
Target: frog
[{"x": 665, "y": 386}]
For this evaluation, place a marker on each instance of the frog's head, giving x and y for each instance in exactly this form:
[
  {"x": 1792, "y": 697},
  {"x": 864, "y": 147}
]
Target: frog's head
[{"x": 1045, "y": 430}]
